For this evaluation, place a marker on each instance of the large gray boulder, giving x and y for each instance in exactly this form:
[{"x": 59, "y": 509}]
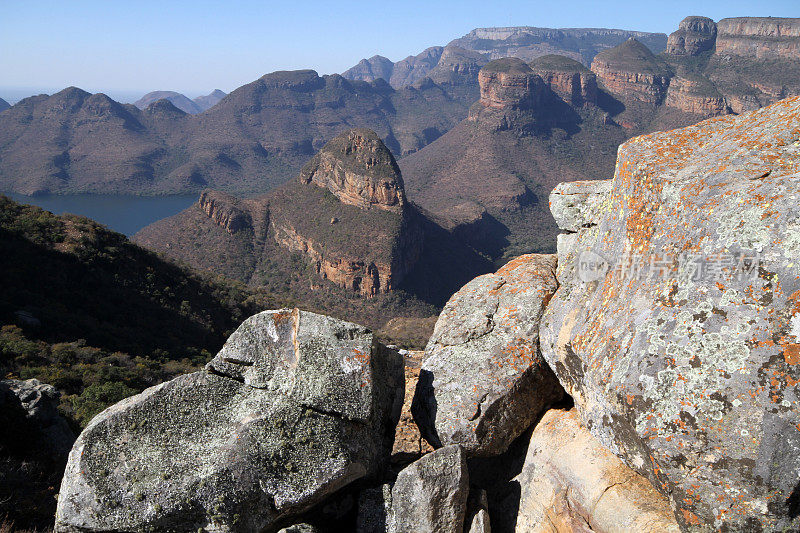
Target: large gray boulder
[
  {"x": 483, "y": 380},
  {"x": 676, "y": 327},
  {"x": 431, "y": 493},
  {"x": 294, "y": 407},
  {"x": 570, "y": 482}
]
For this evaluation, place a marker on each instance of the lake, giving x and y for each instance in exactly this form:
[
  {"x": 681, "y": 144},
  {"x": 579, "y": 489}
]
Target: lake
[{"x": 123, "y": 213}]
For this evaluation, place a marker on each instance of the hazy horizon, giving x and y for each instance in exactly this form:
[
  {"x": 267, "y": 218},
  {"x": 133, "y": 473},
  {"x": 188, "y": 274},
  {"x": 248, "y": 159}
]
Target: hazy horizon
[{"x": 196, "y": 47}]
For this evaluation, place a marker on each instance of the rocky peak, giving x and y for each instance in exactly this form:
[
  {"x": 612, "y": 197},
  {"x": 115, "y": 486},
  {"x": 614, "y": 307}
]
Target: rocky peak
[
  {"x": 694, "y": 35},
  {"x": 631, "y": 70},
  {"x": 359, "y": 170},
  {"x": 568, "y": 78},
  {"x": 759, "y": 37}
]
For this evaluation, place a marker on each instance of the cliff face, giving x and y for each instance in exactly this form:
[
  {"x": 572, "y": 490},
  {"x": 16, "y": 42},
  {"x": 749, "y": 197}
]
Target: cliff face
[
  {"x": 359, "y": 170},
  {"x": 694, "y": 36},
  {"x": 567, "y": 78},
  {"x": 759, "y": 37},
  {"x": 224, "y": 210},
  {"x": 631, "y": 70},
  {"x": 696, "y": 95}
]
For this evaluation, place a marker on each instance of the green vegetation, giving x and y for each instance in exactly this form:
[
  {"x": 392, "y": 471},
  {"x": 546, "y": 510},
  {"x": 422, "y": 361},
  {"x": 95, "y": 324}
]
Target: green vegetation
[
  {"x": 557, "y": 63},
  {"x": 507, "y": 65},
  {"x": 633, "y": 56},
  {"x": 101, "y": 318}
]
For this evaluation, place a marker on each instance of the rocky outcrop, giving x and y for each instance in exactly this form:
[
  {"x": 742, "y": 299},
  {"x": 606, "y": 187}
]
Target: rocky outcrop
[
  {"x": 483, "y": 381},
  {"x": 511, "y": 95},
  {"x": 759, "y": 37},
  {"x": 696, "y": 94},
  {"x": 694, "y": 36},
  {"x": 431, "y": 494},
  {"x": 674, "y": 327},
  {"x": 225, "y": 211},
  {"x": 632, "y": 71},
  {"x": 359, "y": 170},
  {"x": 568, "y": 78},
  {"x": 294, "y": 407},
  {"x": 509, "y": 83},
  {"x": 570, "y": 482},
  {"x": 578, "y": 204},
  {"x": 46, "y": 430}
]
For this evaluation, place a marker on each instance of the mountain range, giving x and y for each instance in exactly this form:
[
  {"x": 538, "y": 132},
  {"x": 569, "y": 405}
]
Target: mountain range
[
  {"x": 182, "y": 102},
  {"x": 4, "y": 105}
]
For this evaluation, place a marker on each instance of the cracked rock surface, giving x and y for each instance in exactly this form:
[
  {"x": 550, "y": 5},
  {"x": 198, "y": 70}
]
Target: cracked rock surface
[
  {"x": 483, "y": 380},
  {"x": 294, "y": 407},
  {"x": 570, "y": 482}
]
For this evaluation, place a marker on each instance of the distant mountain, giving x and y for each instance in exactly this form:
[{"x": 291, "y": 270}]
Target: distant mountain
[
  {"x": 210, "y": 100},
  {"x": 256, "y": 138},
  {"x": 177, "y": 99},
  {"x": 341, "y": 237},
  {"x": 524, "y": 42},
  {"x": 4, "y": 105}
]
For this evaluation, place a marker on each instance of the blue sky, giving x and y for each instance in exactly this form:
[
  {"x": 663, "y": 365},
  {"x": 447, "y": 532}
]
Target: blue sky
[{"x": 123, "y": 47}]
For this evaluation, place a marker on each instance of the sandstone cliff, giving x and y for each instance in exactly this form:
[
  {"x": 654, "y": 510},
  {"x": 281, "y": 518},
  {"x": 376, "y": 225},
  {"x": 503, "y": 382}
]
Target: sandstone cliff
[
  {"x": 568, "y": 78},
  {"x": 694, "y": 36},
  {"x": 632, "y": 71},
  {"x": 759, "y": 37}
]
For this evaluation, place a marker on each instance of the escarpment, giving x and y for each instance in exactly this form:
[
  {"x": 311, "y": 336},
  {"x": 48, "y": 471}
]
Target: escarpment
[{"x": 759, "y": 37}]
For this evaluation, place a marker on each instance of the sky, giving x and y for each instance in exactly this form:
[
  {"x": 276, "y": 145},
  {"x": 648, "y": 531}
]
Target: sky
[{"x": 127, "y": 48}]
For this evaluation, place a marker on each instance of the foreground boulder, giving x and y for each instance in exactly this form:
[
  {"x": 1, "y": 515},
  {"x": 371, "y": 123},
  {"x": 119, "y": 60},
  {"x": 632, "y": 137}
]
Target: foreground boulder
[
  {"x": 483, "y": 380},
  {"x": 431, "y": 494},
  {"x": 294, "y": 407},
  {"x": 676, "y": 328},
  {"x": 570, "y": 482}
]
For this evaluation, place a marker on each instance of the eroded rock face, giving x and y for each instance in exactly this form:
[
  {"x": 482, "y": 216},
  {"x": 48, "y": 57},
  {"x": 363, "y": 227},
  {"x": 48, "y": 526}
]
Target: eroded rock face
[
  {"x": 631, "y": 70},
  {"x": 759, "y": 37},
  {"x": 680, "y": 345},
  {"x": 294, "y": 407},
  {"x": 570, "y": 482},
  {"x": 567, "y": 78},
  {"x": 431, "y": 494},
  {"x": 509, "y": 83},
  {"x": 359, "y": 170},
  {"x": 696, "y": 94},
  {"x": 225, "y": 211},
  {"x": 483, "y": 381},
  {"x": 694, "y": 36}
]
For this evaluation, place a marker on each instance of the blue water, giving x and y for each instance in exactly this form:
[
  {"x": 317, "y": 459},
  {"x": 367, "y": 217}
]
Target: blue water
[{"x": 122, "y": 213}]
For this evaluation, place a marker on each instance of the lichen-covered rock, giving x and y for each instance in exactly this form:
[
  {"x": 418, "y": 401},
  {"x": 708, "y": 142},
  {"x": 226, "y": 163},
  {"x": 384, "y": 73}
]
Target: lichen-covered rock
[
  {"x": 294, "y": 407},
  {"x": 374, "y": 509},
  {"x": 483, "y": 380},
  {"x": 578, "y": 204},
  {"x": 682, "y": 352},
  {"x": 431, "y": 494},
  {"x": 570, "y": 482}
]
